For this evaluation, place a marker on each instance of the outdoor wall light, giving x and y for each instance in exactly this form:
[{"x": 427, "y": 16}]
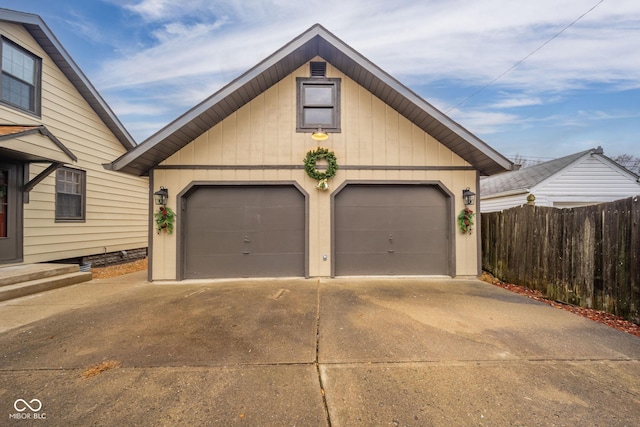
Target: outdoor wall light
[
  {"x": 319, "y": 135},
  {"x": 161, "y": 196},
  {"x": 468, "y": 196}
]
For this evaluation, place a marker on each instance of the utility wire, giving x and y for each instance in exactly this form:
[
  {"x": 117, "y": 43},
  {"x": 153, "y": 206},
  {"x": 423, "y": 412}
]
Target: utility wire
[{"x": 464, "y": 101}]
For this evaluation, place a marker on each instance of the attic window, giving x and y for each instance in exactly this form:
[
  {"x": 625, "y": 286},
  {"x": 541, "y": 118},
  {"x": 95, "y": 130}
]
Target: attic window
[
  {"x": 318, "y": 104},
  {"x": 318, "y": 69}
]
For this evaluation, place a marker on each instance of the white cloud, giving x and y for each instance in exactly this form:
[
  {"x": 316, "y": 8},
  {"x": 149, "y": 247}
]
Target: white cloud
[
  {"x": 507, "y": 101},
  {"x": 484, "y": 122},
  {"x": 201, "y": 45},
  {"x": 178, "y": 31},
  {"x": 471, "y": 42},
  {"x": 585, "y": 118},
  {"x": 243, "y": 11}
]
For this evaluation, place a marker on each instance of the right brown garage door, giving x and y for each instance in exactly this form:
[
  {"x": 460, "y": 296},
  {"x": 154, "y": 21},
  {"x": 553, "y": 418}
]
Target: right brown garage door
[{"x": 392, "y": 230}]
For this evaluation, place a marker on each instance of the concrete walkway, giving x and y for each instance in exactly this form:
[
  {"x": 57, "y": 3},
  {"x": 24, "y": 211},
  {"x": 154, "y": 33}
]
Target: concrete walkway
[{"x": 371, "y": 352}]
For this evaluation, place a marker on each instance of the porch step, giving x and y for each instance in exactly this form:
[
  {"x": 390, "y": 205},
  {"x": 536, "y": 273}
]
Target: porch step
[{"x": 22, "y": 280}]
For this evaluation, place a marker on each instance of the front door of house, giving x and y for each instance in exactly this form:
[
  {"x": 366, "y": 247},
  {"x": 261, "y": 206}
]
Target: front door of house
[{"x": 10, "y": 213}]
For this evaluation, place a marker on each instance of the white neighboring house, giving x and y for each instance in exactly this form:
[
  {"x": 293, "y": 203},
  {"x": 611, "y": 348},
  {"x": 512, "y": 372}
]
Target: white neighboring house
[{"x": 580, "y": 179}]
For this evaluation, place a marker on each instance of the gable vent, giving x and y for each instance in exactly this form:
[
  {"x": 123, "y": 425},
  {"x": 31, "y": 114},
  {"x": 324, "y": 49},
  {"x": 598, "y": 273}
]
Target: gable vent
[{"x": 318, "y": 69}]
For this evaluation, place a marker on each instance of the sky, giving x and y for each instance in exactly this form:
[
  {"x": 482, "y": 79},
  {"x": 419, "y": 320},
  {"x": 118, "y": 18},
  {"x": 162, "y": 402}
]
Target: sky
[{"x": 533, "y": 79}]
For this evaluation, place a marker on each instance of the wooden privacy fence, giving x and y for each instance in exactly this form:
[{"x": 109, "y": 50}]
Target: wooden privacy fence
[{"x": 587, "y": 256}]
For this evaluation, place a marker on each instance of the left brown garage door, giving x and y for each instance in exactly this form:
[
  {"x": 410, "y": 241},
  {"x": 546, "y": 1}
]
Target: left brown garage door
[{"x": 244, "y": 231}]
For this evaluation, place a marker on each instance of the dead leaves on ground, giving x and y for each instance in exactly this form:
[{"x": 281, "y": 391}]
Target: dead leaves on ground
[
  {"x": 119, "y": 269},
  {"x": 101, "y": 367},
  {"x": 596, "y": 315}
]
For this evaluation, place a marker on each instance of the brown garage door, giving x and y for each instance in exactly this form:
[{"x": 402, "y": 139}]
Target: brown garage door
[
  {"x": 392, "y": 230},
  {"x": 244, "y": 231}
]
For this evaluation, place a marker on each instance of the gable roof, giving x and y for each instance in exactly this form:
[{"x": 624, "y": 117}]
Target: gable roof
[
  {"x": 524, "y": 179},
  {"x": 14, "y": 143},
  {"x": 316, "y": 41},
  {"x": 50, "y": 44}
]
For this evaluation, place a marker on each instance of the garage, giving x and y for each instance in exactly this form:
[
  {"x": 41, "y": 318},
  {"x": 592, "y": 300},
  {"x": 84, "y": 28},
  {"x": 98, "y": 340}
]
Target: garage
[
  {"x": 392, "y": 229},
  {"x": 388, "y": 206},
  {"x": 243, "y": 231}
]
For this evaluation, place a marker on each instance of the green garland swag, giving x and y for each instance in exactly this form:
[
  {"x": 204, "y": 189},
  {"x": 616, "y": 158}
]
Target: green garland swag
[
  {"x": 465, "y": 221},
  {"x": 165, "y": 218},
  {"x": 313, "y": 157}
]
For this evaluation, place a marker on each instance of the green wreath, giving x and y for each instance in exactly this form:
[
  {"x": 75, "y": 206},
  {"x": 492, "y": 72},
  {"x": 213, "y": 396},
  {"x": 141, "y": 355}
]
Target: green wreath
[{"x": 313, "y": 157}]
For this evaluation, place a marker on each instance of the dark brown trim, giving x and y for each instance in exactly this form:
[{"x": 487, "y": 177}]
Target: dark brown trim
[
  {"x": 478, "y": 225},
  {"x": 151, "y": 227},
  {"x": 42, "y": 130},
  {"x": 451, "y": 209},
  {"x": 409, "y": 168},
  {"x": 37, "y": 86},
  {"x": 12, "y": 246},
  {"x": 193, "y": 185},
  {"x": 335, "y": 83},
  {"x": 83, "y": 207},
  {"x": 45, "y": 132},
  {"x": 42, "y": 175},
  {"x": 295, "y": 167},
  {"x": 228, "y": 167},
  {"x": 25, "y": 178}
]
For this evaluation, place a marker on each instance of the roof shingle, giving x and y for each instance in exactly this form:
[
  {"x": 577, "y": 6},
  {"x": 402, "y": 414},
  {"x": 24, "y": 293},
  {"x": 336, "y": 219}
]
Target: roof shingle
[{"x": 524, "y": 179}]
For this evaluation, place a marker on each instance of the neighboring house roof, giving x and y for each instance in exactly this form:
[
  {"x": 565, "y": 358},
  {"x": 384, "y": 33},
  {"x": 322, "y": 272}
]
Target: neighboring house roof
[
  {"x": 11, "y": 147},
  {"x": 50, "y": 44},
  {"x": 316, "y": 41},
  {"x": 522, "y": 180}
]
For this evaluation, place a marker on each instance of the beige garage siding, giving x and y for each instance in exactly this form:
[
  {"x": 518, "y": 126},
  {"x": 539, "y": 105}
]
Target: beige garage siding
[{"x": 376, "y": 143}]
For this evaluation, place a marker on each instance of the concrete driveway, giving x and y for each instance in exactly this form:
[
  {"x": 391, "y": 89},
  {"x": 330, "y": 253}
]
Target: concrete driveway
[{"x": 370, "y": 352}]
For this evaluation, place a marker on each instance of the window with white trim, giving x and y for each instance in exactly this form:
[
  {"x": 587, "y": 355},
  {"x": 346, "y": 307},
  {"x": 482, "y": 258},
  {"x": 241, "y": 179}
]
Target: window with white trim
[{"x": 21, "y": 77}]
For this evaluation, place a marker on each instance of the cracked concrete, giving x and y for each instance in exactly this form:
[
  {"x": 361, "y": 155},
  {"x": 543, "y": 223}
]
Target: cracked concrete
[{"x": 332, "y": 352}]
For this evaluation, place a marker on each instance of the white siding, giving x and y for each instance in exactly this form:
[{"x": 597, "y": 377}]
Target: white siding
[
  {"x": 502, "y": 203},
  {"x": 592, "y": 179}
]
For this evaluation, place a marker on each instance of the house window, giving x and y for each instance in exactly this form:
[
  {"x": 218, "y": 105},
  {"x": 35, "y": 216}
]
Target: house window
[
  {"x": 318, "y": 104},
  {"x": 70, "y": 194},
  {"x": 20, "y": 78}
]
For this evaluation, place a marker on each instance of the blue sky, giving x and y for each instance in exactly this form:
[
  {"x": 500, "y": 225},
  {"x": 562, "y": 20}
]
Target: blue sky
[{"x": 152, "y": 60}]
